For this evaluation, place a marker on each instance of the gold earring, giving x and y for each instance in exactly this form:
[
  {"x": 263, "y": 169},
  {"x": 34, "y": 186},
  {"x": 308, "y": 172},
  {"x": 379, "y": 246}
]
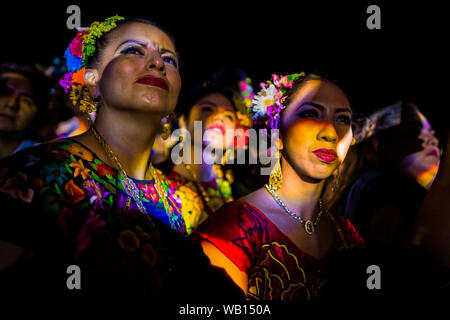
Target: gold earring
[
  {"x": 337, "y": 181},
  {"x": 167, "y": 127},
  {"x": 276, "y": 177},
  {"x": 353, "y": 142},
  {"x": 87, "y": 104}
]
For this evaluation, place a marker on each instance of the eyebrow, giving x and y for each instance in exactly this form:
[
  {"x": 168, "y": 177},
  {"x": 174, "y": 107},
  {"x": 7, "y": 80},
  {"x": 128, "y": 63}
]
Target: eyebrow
[
  {"x": 207, "y": 102},
  {"x": 162, "y": 50},
  {"x": 321, "y": 107}
]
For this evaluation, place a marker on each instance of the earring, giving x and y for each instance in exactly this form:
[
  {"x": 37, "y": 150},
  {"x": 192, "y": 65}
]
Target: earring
[
  {"x": 353, "y": 142},
  {"x": 337, "y": 181},
  {"x": 167, "y": 127},
  {"x": 276, "y": 177},
  {"x": 87, "y": 104}
]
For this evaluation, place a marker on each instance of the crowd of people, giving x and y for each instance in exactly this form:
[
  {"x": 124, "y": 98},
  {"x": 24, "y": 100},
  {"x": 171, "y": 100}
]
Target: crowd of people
[{"x": 88, "y": 177}]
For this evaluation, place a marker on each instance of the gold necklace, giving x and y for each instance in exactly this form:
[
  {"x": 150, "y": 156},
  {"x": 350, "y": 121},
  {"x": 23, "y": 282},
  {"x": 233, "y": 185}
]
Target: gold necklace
[
  {"x": 199, "y": 185},
  {"x": 134, "y": 192},
  {"x": 309, "y": 225}
]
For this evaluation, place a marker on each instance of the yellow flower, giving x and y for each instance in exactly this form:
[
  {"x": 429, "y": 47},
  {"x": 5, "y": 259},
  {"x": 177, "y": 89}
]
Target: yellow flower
[
  {"x": 80, "y": 169},
  {"x": 192, "y": 209}
]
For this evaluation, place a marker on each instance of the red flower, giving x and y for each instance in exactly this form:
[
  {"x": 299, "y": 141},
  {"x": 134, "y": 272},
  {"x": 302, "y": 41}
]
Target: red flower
[
  {"x": 84, "y": 238},
  {"x": 103, "y": 170}
]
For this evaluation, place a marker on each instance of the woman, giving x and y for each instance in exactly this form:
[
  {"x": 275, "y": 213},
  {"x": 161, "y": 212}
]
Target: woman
[
  {"x": 95, "y": 200},
  {"x": 212, "y": 107},
  {"x": 24, "y": 94},
  {"x": 276, "y": 242},
  {"x": 398, "y": 157}
]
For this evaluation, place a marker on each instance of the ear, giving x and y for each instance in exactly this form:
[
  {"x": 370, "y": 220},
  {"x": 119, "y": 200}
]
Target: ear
[
  {"x": 280, "y": 144},
  {"x": 91, "y": 78},
  {"x": 182, "y": 122}
]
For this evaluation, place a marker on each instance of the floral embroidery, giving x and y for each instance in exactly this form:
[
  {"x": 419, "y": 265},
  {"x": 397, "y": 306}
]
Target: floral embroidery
[
  {"x": 75, "y": 193},
  {"x": 54, "y": 172},
  {"x": 79, "y": 169},
  {"x": 80, "y": 152},
  {"x": 84, "y": 238},
  {"x": 105, "y": 170},
  {"x": 128, "y": 241},
  {"x": 96, "y": 194},
  {"x": 17, "y": 187},
  {"x": 278, "y": 275}
]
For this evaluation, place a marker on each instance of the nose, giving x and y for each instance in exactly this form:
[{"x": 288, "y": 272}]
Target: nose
[
  {"x": 12, "y": 102},
  {"x": 157, "y": 63},
  {"x": 430, "y": 139},
  {"x": 328, "y": 133},
  {"x": 218, "y": 116}
]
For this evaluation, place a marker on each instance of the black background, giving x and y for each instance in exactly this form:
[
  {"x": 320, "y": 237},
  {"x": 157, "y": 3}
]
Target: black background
[{"x": 402, "y": 61}]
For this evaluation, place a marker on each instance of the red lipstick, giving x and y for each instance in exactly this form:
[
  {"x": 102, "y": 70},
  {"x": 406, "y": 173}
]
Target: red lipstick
[
  {"x": 217, "y": 126},
  {"x": 154, "y": 82},
  {"x": 326, "y": 155}
]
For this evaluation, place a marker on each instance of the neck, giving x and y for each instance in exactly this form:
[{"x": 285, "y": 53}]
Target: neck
[
  {"x": 8, "y": 145},
  {"x": 300, "y": 196},
  {"x": 130, "y": 135},
  {"x": 203, "y": 171}
]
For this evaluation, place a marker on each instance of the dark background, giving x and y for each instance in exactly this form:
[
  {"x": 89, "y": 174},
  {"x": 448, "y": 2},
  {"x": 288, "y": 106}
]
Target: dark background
[{"x": 402, "y": 61}]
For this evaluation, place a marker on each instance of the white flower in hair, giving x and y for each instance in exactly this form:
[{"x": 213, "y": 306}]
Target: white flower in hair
[{"x": 264, "y": 99}]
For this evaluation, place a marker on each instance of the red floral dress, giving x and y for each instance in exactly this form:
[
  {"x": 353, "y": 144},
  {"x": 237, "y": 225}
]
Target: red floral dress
[
  {"x": 62, "y": 202},
  {"x": 276, "y": 268}
]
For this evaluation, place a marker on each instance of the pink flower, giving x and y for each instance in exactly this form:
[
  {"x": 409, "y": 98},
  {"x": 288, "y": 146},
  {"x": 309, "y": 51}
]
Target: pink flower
[
  {"x": 76, "y": 46},
  {"x": 84, "y": 238}
]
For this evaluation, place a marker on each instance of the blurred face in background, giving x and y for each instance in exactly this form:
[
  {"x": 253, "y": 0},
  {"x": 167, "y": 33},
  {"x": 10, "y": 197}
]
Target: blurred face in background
[
  {"x": 218, "y": 117},
  {"x": 17, "y": 107},
  {"x": 422, "y": 164}
]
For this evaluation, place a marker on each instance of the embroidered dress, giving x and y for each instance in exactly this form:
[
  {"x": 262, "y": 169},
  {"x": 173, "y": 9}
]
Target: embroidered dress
[
  {"x": 195, "y": 208},
  {"x": 276, "y": 268},
  {"x": 62, "y": 202}
]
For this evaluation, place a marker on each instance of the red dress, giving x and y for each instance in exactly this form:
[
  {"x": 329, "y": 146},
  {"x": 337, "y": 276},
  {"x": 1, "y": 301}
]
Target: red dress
[{"x": 276, "y": 268}]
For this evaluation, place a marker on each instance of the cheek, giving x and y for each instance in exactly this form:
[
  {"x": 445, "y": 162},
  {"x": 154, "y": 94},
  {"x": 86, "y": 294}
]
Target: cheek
[
  {"x": 119, "y": 74},
  {"x": 26, "y": 114},
  {"x": 303, "y": 133},
  {"x": 343, "y": 145},
  {"x": 174, "y": 80}
]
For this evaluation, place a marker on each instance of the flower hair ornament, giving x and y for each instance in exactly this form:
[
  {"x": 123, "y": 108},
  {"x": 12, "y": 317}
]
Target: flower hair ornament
[
  {"x": 268, "y": 103},
  {"x": 77, "y": 54},
  {"x": 243, "y": 100}
]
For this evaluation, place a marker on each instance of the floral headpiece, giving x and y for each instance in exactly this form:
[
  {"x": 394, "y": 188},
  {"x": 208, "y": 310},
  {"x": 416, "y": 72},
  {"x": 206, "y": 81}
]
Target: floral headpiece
[
  {"x": 243, "y": 101},
  {"x": 77, "y": 54},
  {"x": 268, "y": 103}
]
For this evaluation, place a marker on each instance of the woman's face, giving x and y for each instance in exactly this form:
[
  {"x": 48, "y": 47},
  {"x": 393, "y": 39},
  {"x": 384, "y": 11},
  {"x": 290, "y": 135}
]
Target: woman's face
[
  {"x": 316, "y": 130},
  {"x": 218, "y": 118},
  {"x": 138, "y": 69},
  {"x": 426, "y": 155},
  {"x": 17, "y": 107}
]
